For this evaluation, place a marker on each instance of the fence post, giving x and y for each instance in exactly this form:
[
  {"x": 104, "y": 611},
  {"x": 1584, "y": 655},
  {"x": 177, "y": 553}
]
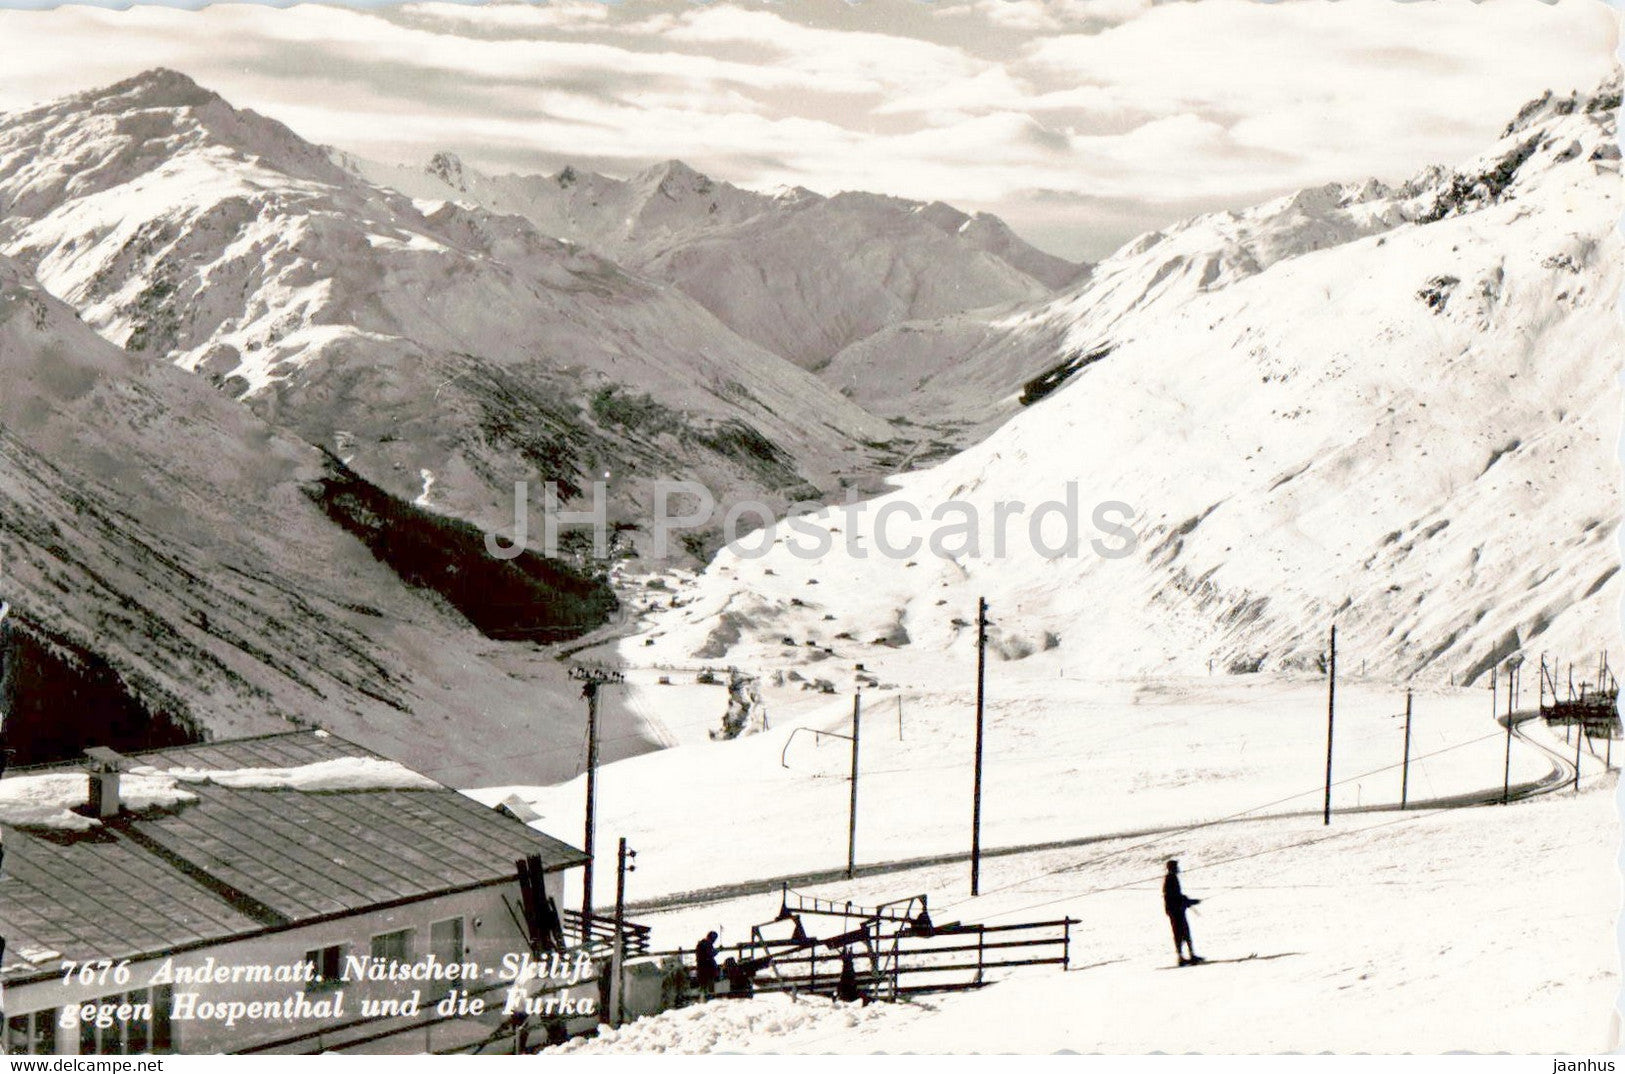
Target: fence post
[{"x": 1066, "y": 945}]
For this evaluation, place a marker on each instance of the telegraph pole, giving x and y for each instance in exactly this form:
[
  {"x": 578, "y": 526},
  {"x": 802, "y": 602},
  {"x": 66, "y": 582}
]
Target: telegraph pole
[
  {"x": 1405, "y": 777},
  {"x": 1331, "y": 711},
  {"x": 1579, "y": 739},
  {"x": 1506, "y": 775},
  {"x": 976, "y": 804},
  {"x": 623, "y": 865},
  {"x": 591, "y": 679},
  {"x": 852, "y": 807},
  {"x": 5, "y": 754}
]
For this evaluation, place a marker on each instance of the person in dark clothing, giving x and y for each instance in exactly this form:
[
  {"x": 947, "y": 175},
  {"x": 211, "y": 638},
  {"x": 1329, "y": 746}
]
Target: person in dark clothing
[
  {"x": 1174, "y": 904},
  {"x": 705, "y": 964},
  {"x": 846, "y": 990},
  {"x": 739, "y": 982}
]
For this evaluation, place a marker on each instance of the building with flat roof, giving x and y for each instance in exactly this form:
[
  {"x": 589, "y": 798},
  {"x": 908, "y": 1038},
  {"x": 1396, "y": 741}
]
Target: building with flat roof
[{"x": 270, "y": 893}]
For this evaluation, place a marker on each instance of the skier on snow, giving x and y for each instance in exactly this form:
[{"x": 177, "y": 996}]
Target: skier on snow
[{"x": 1174, "y": 904}]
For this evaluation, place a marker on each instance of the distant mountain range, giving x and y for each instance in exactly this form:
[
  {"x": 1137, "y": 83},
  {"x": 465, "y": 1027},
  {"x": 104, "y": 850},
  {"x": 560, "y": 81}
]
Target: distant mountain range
[
  {"x": 443, "y": 355},
  {"x": 297, "y": 531},
  {"x": 800, "y": 274}
]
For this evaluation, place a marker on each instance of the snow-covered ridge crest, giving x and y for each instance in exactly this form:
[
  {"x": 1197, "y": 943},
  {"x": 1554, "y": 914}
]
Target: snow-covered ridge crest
[
  {"x": 800, "y": 273},
  {"x": 954, "y": 367}
]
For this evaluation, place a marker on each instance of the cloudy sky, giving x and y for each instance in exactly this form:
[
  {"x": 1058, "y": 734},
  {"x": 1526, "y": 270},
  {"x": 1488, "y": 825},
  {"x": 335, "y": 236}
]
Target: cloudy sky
[{"x": 1082, "y": 122}]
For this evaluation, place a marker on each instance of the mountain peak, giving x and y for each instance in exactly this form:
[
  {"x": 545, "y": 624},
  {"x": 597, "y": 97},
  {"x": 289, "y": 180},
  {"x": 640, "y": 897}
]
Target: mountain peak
[
  {"x": 159, "y": 87},
  {"x": 448, "y": 168},
  {"x": 673, "y": 176},
  {"x": 674, "y": 169}
]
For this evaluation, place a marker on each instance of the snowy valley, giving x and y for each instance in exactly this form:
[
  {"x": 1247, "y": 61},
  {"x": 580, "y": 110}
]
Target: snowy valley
[{"x": 265, "y": 404}]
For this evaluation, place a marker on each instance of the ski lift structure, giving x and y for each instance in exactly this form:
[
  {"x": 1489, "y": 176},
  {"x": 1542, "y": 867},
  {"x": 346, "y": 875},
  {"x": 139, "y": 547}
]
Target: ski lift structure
[
  {"x": 896, "y": 948},
  {"x": 1592, "y": 704}
]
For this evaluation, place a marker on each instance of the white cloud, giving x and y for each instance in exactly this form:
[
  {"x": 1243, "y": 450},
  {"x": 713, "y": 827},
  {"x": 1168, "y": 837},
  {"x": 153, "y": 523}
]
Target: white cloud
[
  {"x": 554, "y": 15},
  {"x": 834, "y": 57},
  {"x": 1049, "y": 14}
]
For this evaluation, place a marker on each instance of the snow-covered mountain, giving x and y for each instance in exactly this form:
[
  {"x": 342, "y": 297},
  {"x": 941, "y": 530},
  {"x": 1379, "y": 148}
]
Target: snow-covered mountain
[
  {"x": 975, "y": 367},
  {"x": 801, "y": 274},
  {"x": 170, "y": 571},
  {"x": 442, "y": 352},
  {"x": 1394, "y": 409}
]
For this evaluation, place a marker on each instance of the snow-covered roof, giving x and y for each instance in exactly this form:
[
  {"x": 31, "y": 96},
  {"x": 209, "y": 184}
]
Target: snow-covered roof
[{"x": 263, "y": 834}]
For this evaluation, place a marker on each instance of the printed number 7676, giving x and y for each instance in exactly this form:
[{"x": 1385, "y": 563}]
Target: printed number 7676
[{"x": 100, "y": 972}]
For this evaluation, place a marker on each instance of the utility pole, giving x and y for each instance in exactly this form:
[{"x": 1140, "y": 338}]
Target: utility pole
[
  {"x": 1331, "y": 711},
  {"x": 1579, "y": 739},
  {"x": 591, "y": 679},
  {"x": 623, "y": 865},
  {"x": 899, "y": 717},
  {"x": 852, "y": 808},
  {"x": 1405, "y": 777},
  {"x": 981, "y": 692},
  {"x": 1506, "y": 775},
  {"x": 5, "y": 754}
]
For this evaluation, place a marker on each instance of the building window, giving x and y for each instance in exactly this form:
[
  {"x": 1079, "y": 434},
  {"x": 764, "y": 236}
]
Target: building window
[
  {"x": 393, "y": 946},
  {"x": 446, "y": 939},
  {"x": 163, "y": 1001},
  {"x": 446, "y": 945},
  {"x": 32, "y": 1034},
  {"x": 148, "y": 1032},
  {"x": 327, "y": 961},
  {"x": 137, "y": 1032}
]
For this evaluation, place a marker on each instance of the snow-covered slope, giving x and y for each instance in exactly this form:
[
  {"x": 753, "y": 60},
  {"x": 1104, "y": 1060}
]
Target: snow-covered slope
[
  {"x": 442, "y": 354},
  {"x": 977, "y": 368},
  {"x": 974, "y": 366},
  {"x": 163, "y": 559},
  {"x": 1398, "y": 935},
  {"x": 1366, "y": 930},
  {"x": 1394, "y": 409},
  {"x": 801, "y": 274}
]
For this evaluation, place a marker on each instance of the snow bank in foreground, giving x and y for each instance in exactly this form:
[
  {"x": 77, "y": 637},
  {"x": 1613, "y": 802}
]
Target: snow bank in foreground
[
  {"x": 729, "y": 1025},
  {"x": 1486, "y": 929}
]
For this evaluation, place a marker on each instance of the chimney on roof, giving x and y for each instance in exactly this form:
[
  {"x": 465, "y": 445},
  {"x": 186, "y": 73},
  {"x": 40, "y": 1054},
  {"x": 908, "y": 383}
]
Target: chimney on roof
[{"x": 105, "y": 765}]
